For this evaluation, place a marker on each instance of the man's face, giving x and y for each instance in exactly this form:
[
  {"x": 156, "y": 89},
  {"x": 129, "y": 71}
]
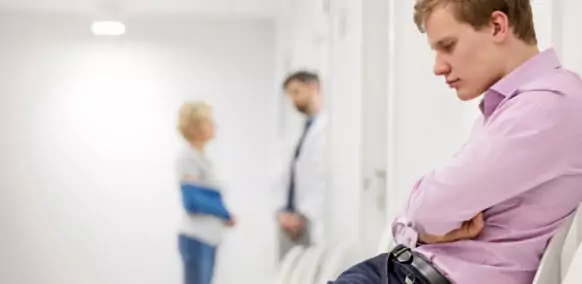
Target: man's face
[
  {"x": 468, "y": 59},
  {"x": 301, "y": 94}
]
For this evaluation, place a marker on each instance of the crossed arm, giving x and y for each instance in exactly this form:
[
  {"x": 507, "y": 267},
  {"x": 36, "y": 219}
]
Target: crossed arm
[{"x": 504, "y": 161}]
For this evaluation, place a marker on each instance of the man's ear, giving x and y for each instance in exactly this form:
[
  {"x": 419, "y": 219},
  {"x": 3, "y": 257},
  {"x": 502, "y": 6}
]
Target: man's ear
[{"x": 500, "y": 26}]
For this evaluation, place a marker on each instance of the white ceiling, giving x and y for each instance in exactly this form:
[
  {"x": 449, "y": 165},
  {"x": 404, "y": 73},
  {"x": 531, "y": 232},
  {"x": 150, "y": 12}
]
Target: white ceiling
[{"x": 252, "y": 8}]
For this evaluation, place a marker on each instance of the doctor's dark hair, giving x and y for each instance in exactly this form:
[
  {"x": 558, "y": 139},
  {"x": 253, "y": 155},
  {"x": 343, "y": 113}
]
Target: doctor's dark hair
[
  {"x": 477, "y": 13},
  {"x": 301, "y": 76}
]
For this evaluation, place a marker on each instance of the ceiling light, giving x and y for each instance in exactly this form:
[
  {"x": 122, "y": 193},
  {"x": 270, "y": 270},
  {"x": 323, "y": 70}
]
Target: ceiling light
[{"x": 109, "y": 28}]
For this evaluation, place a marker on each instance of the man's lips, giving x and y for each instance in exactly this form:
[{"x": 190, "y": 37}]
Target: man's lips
[{"x": 453, "y": 83}]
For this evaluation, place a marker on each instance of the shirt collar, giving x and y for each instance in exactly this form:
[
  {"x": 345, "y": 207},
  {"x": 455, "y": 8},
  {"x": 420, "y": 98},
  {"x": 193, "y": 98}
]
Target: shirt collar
[
  {"x": 309, "y": 121},
  {"x": 312, "y": 118},
  {"x": 510, "y": 84}
]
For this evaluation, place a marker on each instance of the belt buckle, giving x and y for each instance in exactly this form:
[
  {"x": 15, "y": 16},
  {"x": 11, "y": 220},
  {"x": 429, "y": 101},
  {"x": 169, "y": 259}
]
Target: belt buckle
[{"x": 402, "y": 254}]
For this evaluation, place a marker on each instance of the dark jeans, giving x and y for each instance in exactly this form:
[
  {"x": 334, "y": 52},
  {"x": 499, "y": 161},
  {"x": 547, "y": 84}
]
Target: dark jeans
[
  {"x": 198, "y": 259},
  {"x": 377, "y": 271}
]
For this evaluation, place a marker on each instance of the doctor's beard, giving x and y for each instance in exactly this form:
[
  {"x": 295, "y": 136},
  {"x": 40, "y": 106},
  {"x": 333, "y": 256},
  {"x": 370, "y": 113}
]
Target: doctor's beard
[{"x": 304, "y": 109}]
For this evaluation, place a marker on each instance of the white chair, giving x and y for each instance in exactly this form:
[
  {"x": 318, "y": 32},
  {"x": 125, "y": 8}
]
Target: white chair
[
  {"x": 308, "y": 266},
  {"x": 337, "y": 260},
  {"x": 574, "y": 274},
  {"x": 386, "y": 241},
  {"x": 549, "y": 270},
  {"x": 572, "y": 241},
  {"x": 289, "y": 264}
]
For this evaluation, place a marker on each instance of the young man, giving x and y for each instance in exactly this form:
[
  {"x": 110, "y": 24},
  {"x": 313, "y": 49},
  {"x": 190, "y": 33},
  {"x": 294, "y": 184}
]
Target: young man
[
  {"x": 301, "y": 218},
  {"x": 486, "y": 216}
]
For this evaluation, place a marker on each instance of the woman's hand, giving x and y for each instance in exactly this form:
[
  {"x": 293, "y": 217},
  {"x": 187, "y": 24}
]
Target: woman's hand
[{"x": 231, "y": 222}]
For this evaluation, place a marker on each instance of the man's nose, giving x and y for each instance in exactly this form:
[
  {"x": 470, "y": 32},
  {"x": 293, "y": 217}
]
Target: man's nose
[{"x": 440, "y": 67}]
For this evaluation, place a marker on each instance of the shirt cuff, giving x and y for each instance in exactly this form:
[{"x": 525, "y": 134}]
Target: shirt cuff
[{"x": 404, "y": 233}]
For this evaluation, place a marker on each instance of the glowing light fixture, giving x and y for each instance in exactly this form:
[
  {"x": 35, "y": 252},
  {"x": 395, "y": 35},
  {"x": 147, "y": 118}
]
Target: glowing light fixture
[{"x": 108, "y": 28}]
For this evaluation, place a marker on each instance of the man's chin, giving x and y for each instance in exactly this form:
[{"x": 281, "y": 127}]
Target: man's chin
[{"x": 464, "y": 95}]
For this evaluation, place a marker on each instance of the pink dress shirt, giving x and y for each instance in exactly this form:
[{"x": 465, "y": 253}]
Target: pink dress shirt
[{"x": 522, "y": 167}]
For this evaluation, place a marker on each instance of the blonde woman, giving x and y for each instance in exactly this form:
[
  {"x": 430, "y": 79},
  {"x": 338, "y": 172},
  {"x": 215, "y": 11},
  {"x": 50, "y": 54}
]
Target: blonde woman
[{"x": 205, "y": 215}]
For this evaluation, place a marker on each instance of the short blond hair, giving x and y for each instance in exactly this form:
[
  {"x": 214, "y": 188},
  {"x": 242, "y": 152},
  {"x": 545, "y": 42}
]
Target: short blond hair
[
  {"x": 477, "y": 13},
  {"x": 191, "y": 114}
]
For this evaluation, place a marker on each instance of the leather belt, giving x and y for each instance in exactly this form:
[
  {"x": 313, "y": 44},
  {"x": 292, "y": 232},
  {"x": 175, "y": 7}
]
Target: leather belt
[{"x": 419, "y": 263}]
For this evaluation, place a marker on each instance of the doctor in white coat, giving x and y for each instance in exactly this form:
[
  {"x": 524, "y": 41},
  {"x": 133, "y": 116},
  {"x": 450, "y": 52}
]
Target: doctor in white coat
[{"x": 301, "y": 218}]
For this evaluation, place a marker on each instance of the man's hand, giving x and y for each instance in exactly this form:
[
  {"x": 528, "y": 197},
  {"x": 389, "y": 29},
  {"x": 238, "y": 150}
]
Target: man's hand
[
  {"x": 293, "y": 224},
  {"x": 468, "y": 231}
]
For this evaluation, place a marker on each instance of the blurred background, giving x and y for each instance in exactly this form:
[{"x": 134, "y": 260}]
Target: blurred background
[{"x": 88, "y": 138}]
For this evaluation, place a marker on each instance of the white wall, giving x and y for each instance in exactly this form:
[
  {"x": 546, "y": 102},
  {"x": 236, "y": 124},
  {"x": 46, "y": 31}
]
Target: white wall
[
  {"x": 345, "y": 108},
  {"x": 374, "y": 122},
  {"x": 543, "y": 12},
  {"x": 88, "y": 192},
  {"x": 569, "y": 38},
  {"x": 232, "y": 8}
]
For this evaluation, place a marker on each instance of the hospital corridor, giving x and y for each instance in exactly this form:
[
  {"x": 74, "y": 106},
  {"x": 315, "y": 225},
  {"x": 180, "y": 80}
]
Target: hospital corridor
[{"x": 290, "y": 142}]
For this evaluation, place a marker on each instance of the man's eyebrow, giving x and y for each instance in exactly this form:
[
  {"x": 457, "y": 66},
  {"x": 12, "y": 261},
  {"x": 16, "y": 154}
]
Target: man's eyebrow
[{"x": 442, "y": 42}]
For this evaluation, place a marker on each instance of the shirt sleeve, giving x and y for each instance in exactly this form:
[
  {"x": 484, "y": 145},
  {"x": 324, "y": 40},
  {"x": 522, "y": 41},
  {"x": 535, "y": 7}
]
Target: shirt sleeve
[
  {"x": 523, "y": 146},
  {"x": 189, "y": 168},
  {"x": 404, "y": 233}
]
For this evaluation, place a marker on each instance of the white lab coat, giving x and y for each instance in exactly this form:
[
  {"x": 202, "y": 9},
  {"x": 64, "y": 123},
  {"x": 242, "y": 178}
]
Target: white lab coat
[{"x": 311, "y": 178}]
